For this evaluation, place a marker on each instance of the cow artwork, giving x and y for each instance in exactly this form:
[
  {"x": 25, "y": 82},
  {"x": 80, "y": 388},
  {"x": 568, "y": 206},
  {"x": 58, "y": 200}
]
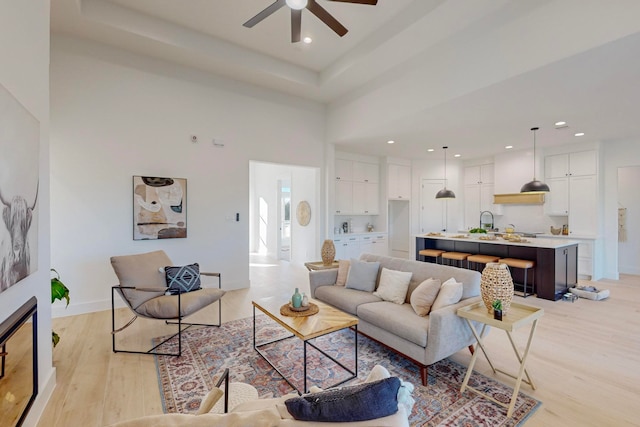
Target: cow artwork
[
  {"x": 17, "y": 215},
  {"x": 19, "y": 187}
]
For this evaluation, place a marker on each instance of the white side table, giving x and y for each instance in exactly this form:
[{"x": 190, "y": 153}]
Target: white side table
[{"x": 517, "y": 316}]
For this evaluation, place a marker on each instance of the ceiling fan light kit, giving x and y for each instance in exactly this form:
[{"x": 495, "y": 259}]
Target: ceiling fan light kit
[
  {"x": 534, "y": 186},
  {"x": 297, "y": 6}
]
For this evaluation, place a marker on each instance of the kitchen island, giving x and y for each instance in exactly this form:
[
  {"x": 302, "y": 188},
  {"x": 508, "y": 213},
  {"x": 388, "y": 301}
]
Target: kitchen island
[{"x": 556, "y": 260}]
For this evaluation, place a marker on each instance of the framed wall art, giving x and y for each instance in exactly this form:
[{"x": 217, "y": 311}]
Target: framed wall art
[
  {"x": 159, "y": 208},
  {"x": 19, "y": 180}
]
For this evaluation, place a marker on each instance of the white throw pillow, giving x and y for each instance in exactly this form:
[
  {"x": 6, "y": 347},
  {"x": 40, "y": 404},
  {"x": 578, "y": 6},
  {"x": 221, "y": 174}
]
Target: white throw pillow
[
  {"x": 393, "y": 285},
  {"x": 450, "y": 293},
  {"x": 343, "y": 272},
  {"x": 423, "y": 297}
]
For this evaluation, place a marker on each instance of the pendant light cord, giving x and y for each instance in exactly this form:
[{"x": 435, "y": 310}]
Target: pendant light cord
[{"x": 534, "y": 152}]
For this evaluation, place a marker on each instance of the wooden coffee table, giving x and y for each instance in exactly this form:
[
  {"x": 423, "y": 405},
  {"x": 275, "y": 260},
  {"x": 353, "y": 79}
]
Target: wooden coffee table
[{"x": 328, "y": 319}]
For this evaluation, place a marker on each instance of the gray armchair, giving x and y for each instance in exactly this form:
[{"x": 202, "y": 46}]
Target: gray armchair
[{"x": 143, "y": 288}]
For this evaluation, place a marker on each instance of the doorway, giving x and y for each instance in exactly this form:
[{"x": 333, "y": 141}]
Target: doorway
[{"x": 284, "y": 219}]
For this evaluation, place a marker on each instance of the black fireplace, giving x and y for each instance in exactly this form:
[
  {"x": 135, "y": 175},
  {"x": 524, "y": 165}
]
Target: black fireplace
[{"x": 18, "y": 363}]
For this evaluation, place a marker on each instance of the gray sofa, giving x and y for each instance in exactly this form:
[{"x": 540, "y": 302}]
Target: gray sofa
[{"x": 423, "y": 340}]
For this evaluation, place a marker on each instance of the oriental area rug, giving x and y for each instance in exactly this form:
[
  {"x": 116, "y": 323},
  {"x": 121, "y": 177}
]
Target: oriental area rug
[{"x": 207, "y": 352}]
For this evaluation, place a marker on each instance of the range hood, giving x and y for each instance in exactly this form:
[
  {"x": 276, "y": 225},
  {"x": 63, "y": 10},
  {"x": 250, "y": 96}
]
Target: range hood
[{"x": 519, "y": 199}]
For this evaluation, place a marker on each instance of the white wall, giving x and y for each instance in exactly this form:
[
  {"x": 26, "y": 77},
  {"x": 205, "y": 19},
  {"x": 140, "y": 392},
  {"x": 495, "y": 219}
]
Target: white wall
[
  {"x": 115, "y": 115},
  {"x": 24, "y": 49},
  {"x": 616, "y": 155},
  {"x": 628, "y": 198}
]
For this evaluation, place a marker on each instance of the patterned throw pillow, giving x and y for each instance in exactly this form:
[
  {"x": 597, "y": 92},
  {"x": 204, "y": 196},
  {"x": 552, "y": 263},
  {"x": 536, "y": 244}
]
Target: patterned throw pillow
[
  {"x": 183, "y": 279},
  {"x": 360, "y": 402}
]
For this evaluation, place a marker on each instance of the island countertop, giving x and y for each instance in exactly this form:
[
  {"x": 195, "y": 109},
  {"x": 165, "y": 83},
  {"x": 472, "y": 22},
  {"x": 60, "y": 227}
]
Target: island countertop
[{"x": 534, "y": 242}]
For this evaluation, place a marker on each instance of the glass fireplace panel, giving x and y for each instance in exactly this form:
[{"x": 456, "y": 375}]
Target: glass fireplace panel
[{"x": 18, "y": 364}]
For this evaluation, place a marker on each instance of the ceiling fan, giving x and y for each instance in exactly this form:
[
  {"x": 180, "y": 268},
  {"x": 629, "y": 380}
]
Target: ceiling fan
[{"x": 297, "y": 6}]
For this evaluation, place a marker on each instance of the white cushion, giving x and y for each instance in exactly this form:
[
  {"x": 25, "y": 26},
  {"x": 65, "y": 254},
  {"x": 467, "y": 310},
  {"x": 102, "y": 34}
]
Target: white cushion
[
  {"x": 423, "y": 297},
  {"x": 450, "y": 293},
  {"x": 393, "y": 285}
]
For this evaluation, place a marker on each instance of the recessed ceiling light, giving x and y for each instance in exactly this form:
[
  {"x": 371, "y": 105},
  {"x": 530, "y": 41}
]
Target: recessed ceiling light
[
  {"x": 431, "y": 150},
  {"x": 561, "y": 123},
  {"x": 391, "y": 141},
  {"x": 307, "y": 40},
  {"x": 457, "y": 155},
  {"x": 509, "y": 147},
  {"x": 579, "y": 134}
]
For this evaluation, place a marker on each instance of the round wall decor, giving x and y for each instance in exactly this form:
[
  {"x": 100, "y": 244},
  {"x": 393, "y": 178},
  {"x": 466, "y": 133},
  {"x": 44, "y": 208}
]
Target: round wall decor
[{"x": 303, "y": 213}]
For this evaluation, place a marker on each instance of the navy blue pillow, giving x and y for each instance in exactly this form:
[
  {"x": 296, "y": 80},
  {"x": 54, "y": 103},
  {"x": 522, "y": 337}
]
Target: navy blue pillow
[
  {"x": 183, "y": 279},
  {"x": 361, "y": 402}
]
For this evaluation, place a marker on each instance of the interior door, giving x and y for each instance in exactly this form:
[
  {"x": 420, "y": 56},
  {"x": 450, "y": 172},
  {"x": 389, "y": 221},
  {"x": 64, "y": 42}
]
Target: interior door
[
  {"x": 284, "y": 219},
  {"x": 433, "y": 212}
]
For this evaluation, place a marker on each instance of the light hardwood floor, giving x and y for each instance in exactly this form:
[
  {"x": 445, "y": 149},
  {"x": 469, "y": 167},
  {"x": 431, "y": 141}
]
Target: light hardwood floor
[{"x": 585, "y": 358}]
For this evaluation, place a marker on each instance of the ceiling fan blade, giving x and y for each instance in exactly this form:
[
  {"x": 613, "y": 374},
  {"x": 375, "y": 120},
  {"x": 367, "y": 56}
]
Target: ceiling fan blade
[
  {"x": 296, "y": 25},
  {"x": 327, "y": 18},
  {"x": 371, "y": 2},
  {"x": 265, "y": 13}
]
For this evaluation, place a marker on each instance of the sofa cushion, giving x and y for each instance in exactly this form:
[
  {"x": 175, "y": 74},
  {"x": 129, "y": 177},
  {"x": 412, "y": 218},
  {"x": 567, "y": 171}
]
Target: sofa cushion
[
  {"x": 362, "y": 275},
  {"x": 450, "y": 293},
  {"x": 343, "y": 271},
  {"x": 393, "y": 285},
  {"x": 360, "y": 402},
  {"x": 343, "y": 298},
  {"x": 424, "y": 296},
  {"x": 399, "y": 320}
]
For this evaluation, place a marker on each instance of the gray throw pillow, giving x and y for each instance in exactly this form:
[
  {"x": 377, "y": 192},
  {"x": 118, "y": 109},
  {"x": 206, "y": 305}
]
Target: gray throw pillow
[
  {"x": 183, "y": 279},
  {"x": 362, "y": 275}
]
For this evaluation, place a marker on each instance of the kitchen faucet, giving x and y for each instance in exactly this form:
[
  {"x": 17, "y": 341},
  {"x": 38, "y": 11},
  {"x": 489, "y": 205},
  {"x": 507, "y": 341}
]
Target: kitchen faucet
[{"x": 490, "y": 213}]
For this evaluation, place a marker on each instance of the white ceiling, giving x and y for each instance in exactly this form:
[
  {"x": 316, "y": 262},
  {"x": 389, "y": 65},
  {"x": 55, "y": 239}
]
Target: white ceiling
[{"x": 471, "y": 74}]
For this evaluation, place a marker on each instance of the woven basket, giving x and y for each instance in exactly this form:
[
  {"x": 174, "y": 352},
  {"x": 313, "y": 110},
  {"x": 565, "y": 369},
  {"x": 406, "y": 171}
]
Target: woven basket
[{"x": 496, "y": 283}]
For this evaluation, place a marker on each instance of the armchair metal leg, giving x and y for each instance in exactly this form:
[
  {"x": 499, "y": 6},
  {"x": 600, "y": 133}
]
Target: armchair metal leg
[{"x": 182, "y": 326}]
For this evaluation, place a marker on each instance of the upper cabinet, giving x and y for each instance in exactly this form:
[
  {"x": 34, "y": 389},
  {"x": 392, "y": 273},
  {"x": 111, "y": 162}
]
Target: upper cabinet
[
  {"x": 357, "y": 188},
  {"x": 399, "y": 182},
  {"x": 580, "y": 163}
]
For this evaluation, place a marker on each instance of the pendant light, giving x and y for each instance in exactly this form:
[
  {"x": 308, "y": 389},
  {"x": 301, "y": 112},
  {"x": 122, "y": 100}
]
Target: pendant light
[
  {"x": 444, "y": 193},
  {"x": 534, "y": 186}
]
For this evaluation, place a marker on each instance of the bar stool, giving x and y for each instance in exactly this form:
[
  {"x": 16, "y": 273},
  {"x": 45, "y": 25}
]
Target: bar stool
[
  {"x": 431, "y": 253},
  {"x": 481, "y": 259},
  {"x": 456, "y": 256},
  {"x": 525, "y": 264}
]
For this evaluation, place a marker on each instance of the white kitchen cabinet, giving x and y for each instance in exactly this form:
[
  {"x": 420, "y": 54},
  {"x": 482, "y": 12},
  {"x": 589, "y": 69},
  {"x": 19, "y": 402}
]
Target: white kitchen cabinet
[
  {"x": 356, "y": 188},
  {"x": 344, "y": 170},
  {"x": 343, "y": 197},
  {"x": 478, "y": 194},
  {"x": 380, "y": 245},
  {"x": 571, "y": 164},
  {"x": 583, "y": 205},
  {"x": 365, "y": 198},
  {"x": 573, "y": 183},
  {"x": 399, "y": 182},
  {"x": 366, "y": 172}
]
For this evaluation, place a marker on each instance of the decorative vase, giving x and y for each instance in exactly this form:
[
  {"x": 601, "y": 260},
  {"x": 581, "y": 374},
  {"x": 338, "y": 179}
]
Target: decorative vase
[
  {"x": 296, "y": 299},
  {"x": 497, "y": 314},
  {"x": 496, "y": 284},
  {"x": 305, "y": 300},
  {"x": 328, "y": 252}
]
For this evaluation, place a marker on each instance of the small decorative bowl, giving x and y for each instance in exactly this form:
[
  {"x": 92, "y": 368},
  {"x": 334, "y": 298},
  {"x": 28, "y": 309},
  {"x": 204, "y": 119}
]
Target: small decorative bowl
[{"x": 555, "y": 231}]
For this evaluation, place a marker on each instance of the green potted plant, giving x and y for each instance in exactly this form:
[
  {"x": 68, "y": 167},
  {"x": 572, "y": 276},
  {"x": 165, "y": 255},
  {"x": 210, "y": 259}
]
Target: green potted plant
[
  {"x": 497, "y": 309},
  {"x": 58, "y": 292}
]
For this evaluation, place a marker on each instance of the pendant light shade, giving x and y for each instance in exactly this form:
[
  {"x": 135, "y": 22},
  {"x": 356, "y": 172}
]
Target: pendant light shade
[
  {"x": 444, "y": 193},
  {"x": 534, "y": 186}
]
